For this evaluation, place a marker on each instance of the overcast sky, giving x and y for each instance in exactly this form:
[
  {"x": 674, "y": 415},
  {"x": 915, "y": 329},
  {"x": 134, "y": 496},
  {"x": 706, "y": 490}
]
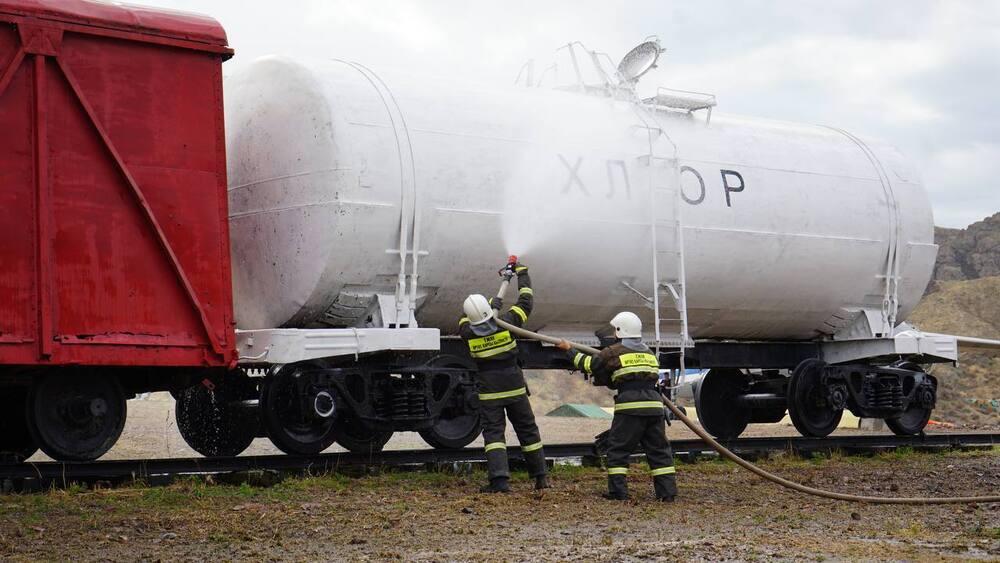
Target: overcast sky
[{"x": 923, "y": 75}]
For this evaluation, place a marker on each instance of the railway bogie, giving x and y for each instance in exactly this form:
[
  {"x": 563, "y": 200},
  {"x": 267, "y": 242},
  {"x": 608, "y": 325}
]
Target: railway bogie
[
  {"x": 305, "y": 407},
  {"x": 816, "y": 394}
]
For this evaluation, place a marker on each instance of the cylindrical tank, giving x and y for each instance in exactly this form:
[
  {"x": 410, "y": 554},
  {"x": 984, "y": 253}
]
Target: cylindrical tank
[{"x": 787, "y": 228}]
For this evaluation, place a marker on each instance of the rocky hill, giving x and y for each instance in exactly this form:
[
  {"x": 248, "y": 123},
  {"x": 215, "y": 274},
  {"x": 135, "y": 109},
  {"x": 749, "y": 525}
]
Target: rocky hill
[{"x": 970, "y": 253}]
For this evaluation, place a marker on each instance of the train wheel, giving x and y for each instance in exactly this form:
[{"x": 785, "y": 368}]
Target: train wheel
[
  {"x": 911, "y": 422},
  {"x": 218, "y": 422},
  {"x": 359, "y": 439},
  {"x": 809, "y": 403},
  {"x": 76, "y": 417},
  {"x": 455, "y": 432},
  {"x": 16, "y": 442},
  {"x": 915, "y": 418},
  {"x": 459, "y": 424},
  {"x": 716, "y": 401},
  {"x": 299, "y": 413}
]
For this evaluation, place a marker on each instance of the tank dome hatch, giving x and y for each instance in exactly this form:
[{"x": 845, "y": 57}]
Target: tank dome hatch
[{"x": 640, "y": 60}]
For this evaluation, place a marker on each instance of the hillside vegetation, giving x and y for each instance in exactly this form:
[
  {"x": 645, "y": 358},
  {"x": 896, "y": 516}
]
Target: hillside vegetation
[{"x": 967, "y": 308}]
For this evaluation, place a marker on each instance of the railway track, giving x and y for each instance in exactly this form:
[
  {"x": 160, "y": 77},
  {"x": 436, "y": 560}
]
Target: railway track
[{"x": 39, "y": 475}]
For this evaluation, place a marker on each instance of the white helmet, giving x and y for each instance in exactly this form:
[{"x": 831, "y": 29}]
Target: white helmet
[
  {"x": 478, "y": 309},
  {"x": 627, "y": 325}
]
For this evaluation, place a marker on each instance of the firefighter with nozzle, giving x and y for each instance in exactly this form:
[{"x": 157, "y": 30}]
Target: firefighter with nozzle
[
  {"x": 503, "y": 392},
  {"x": 628, "y": 366}
]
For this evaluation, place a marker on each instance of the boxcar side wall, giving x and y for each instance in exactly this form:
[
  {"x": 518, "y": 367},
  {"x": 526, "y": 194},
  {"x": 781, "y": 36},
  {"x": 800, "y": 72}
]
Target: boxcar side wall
[{"x": 115, "y": 245}]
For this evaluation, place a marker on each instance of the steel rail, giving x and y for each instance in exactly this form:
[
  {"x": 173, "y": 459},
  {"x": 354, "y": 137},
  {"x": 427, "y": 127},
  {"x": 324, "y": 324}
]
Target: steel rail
[{"x": 52, "y": 473}]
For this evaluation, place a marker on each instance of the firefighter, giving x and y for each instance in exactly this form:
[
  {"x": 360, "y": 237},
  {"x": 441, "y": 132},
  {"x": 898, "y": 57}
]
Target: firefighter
[
  {"x": 501, "y": 384},
  {"x": 628, "y": 366}
]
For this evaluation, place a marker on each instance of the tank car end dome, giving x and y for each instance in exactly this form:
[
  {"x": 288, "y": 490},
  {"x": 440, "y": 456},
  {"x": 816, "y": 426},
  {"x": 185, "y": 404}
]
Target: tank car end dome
[{"x": 280, "y": 138}]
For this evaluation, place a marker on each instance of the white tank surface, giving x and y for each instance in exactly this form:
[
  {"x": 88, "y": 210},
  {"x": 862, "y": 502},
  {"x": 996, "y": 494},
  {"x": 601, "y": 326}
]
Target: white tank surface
[{"x": 788, "y": 229}]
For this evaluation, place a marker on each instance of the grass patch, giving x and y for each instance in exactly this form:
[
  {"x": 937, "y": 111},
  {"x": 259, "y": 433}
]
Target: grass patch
[
  {"x": 916, "y": 530},
  {"x": 327, "y": 481},
  {"x": 181, "y": 496},
  {"x": 985, "y": 532},
  {"x": 991, "y": 451},
  {"x": 902, "y": 452},
  {"x": 412, "y": 479},
  {"x": 909, "y": 453},
  {"x": 566, "y": 471},
  {"x": 992, "y": 533}
]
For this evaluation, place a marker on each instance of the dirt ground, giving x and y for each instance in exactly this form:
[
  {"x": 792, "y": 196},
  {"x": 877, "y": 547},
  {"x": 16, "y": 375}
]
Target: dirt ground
[{"x": 722, "y": 513}]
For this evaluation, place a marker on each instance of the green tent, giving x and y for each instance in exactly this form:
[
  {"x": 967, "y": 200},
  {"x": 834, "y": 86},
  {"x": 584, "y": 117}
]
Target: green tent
[{"x": 582, "y": 411}]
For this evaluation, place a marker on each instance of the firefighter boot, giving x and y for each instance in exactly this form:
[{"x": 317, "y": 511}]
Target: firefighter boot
[
  {"x": 665, "y": 487},
  {"x": 496, "y": 485},
  {"x": 535, "y": 461},
  {"x": 617, "y": 488},
  {"x": 496, "y": 467}
]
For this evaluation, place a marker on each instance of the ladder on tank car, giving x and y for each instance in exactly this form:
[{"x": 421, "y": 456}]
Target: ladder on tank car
[
  {"x": 399, "y": 310},
  {"x": 670, "y": 326}
]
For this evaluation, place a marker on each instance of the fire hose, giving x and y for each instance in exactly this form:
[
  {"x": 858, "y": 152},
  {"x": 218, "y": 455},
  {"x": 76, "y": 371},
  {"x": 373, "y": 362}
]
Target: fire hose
[{"x": 726, "y": 453}]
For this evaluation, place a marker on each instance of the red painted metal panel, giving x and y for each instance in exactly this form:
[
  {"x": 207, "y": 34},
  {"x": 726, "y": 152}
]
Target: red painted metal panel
[
  {"x": 113, "y": 197},
  {"x": 123, "y": 17},
  {"x": 18, "y": 303},
  {"x": 43, "y": 210}
]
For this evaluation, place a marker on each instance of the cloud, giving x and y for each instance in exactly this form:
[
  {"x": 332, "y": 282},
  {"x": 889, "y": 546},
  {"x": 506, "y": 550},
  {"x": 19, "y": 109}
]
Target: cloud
[
  {"x": 411, "y": 27},
  {"x": 856, "y": 74},
  {"x": 962, "y": 181}
]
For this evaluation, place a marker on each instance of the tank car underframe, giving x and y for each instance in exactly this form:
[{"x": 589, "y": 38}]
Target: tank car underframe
[
  {"x": 377, "y": 381},
  {"x": 358, "y": 386},
  {"x": 364, "y": 384}
]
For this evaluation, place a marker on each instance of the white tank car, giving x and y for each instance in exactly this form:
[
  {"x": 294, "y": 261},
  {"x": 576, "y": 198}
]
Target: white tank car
[{"x": 788, "y": 230}]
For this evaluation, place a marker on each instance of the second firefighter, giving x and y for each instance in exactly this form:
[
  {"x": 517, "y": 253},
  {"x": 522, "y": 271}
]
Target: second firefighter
[{"x": 628, "y": 366}]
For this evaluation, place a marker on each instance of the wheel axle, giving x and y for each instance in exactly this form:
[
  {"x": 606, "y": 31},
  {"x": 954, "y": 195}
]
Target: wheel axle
[
  {"x": 761, "y": 400},
  {"x": 323, "y": 405}
]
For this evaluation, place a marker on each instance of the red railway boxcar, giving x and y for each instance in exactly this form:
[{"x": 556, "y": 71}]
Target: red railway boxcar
[{"x": 114, "y": 259}]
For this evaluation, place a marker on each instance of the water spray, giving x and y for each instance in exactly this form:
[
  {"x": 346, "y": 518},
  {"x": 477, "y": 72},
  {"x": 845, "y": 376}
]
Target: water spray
[{"x": 725, "y": 452}]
